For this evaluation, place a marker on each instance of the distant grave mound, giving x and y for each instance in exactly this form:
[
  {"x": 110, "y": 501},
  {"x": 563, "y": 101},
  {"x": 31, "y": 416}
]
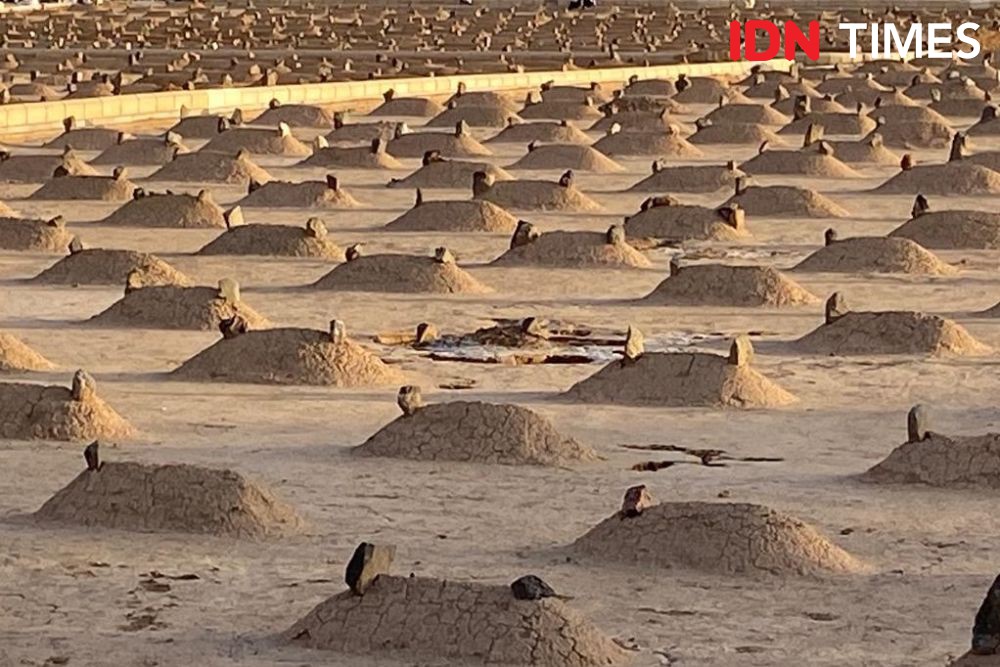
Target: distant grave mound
[
  {"x": 728, "y": 285},
  {"x": 498, "y": 628},
  {"x": 674, "y": 223},
  {"x": 786, "y": 201},
  {"x": 949, "y": 230},
  {"x": 721, "y": 538},
  {"x": 534, "y": 195},
  {"x": 97, "y": 188},
  {"x": 35, "y": 411},
  {"x": 475, "y": 432},
  {"x": 207, "y": 167},
  {"x": 454, "y": 216},
  {"x": 958, "y": 177},
  {"x": 142, "y": 152},
  {"x": 875, "y": 254},
  {"x": 567, "y": 156},
  {"x": 175, "y": 307},
  {"x": 40, "y": 168},
  {"x": 289, "y": 356},
  {"x": 85, "y": 138},
  {"x": 181, "y": 211},
  {"x": 889, "y": 332},
  {"x": 373, "y": 156},
  {"x": 101, "y": 266},
  {"x": 409, "y": 274},
  {"x": 661, "y": 144},
  {"x": 689, "y": 178},
  {"x": 310, "y": 240},
  {"x": 459, "y": 144},
  {"x": 295, "y": 115},
  {"x": 448, "y": 174},
  {"x": 682, "y": 379},
  {"x": 543, "y": 132},
  {"x": 420, "y": 107},
  {"x": 307, "y": 194},
  {"x": 941, "y": 460},
  {"x": 26, "y": 235},
  {"x": 17, "y": 357},
  {"x": 258, "y": 141},
  {"x": 572, "y": 250},
  {"x": 170, "y": 498}
]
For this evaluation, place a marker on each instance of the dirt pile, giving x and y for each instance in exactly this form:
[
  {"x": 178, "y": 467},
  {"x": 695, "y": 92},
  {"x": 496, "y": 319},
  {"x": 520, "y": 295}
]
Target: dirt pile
[
  {"x": 170, "y": 498},
  {"x": 805, "y": 162},
  {"x": 174, "y": 307},
  {"x": 940, "y": 460},
  {"x": 169, "y": 210},
  {"x": 141, "y": 152},
  {"x": 721, "y": 538},
  {"x": 680, "y": 379},
  {"x": 206, "y": 167},
  {"x": 258, "y": 141},
  {"x": 948, "y": 230},
  {"x": 958, "y": 177},
  {"x": 786, "y": 201},
  {"x": 97, "y": 188},
  {"x": 564, "y": 249},
  {"x": 534, "y": 195},
  {"x": 875, "y": 254},
  {"x": 449, "y": 174},
  {"x": 307, "y": 194},
  {"x": 40, "y": 168},
  {"x": 475, "y": 432},
  {"x": 496, "y": 628},
  {"x": 17, "y": 357},
  {"x": 567, "y": 156},
  {"x": 101, "y": 266},
  {"x": 678, "y": 222},
  {"x": 34, "y": 235},
  {"x": 725, "y": 285},
  {"x": 890, "y": 332},
  {"x": 35, "y": 411},
  {"x": 689, "y": 178},
  {"x": 276, "y": 241},
  {"x": 295, "y": 115},
  {"x": 406, "y": 274},
  {"x": 662, "y": 144},
  {"x": 289, "y": 356},
  {"x": 454, "y": 216},
  {"x": 542, "y": 132}
]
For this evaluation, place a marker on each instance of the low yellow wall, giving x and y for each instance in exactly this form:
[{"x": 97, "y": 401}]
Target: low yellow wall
[{"x": 20, "y": 120}]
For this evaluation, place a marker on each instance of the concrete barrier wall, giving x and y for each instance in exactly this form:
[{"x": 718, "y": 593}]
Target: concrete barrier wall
[{"x": 36, "y": 118}]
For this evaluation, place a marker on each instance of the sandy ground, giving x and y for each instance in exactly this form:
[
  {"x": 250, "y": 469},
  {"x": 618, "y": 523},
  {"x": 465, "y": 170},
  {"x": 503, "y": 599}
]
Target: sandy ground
[{"x": 75, "y": 594}]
